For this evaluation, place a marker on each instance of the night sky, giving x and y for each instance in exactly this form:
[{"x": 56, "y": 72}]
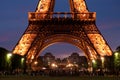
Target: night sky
[{"x": 14, "y": 21}]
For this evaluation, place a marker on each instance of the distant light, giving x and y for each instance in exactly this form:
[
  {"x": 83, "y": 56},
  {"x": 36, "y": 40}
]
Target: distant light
[
  {"x": 9, "y": 55},
  {"x": 35, "y": 62},
  {"x": 69, "y": 65},
  {"x": 93, "y": 61},
  {"x": 102, "y": 58},
  {"x": 32, "y": 57},
  {"x": 44, "y": 68},
  {"x": 116, "y": 54},
  {"x": 54, "y": 65},
  {"x": 22, "y": 60}
]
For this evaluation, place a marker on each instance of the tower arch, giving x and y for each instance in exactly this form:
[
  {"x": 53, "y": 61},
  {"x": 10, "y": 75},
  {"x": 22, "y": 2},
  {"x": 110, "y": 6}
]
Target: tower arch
[
  {"x": 51, "y": 40},
  {"x": 77, "y": 27}
]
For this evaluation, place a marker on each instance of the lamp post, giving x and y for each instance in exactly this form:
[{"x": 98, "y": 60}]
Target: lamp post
[
  {"x": 22, "y": 62},
  {"x": 116, "y": 61},
  {"x": 9, "y": 55},
  {"x": 8, "y": 60},
  {"x": 94, "y": 65},
  {"x": 102, "y": 61},
  {"x": 116, "y": 54}
]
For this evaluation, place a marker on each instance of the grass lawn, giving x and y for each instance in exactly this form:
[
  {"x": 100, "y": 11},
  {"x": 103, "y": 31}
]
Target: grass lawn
[{"x": 26, "y": 77}]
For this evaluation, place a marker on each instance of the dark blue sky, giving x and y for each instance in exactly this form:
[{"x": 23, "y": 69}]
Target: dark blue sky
[{"x": 14, "y": 21}]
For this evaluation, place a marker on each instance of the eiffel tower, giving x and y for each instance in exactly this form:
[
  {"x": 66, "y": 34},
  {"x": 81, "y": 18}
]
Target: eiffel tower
[{"x": 77, "y": 27}]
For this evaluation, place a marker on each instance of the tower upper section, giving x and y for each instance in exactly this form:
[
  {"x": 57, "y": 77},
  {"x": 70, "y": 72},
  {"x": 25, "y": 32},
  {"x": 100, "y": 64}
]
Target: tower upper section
[
  {"x": 78, "y": 10},
  {"x": 75, "y": 6},
  {"x": 78, "y": 6},
  {"x": 45, "y": 6}
]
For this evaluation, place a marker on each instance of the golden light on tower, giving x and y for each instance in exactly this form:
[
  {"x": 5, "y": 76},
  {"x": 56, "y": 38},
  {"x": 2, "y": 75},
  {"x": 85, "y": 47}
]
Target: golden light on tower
[
  {"x": 100, "y": 45},
  {"x": 76, "y": 27}
]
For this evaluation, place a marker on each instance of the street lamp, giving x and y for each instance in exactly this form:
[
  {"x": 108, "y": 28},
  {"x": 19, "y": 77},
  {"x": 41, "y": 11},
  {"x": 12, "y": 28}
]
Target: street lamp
[
  {"x": 93, "y": 61},
  {"x": 116, "y": 54},
  {"x": 8, "y": 60},
  {"x": 69, "y": 65},
  {"x": 54, "y": 65},
  {"x": 22, "y": 61},
  {"x": 35, "y": 62},
  {"x": 102, "y": 60},
  {"x": 9, "y": 55},
  {"x": 116, "y": 60},
  {"x": 94, "y": 64}
]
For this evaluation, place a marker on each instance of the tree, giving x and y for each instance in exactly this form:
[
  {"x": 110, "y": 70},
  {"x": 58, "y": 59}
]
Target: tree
[
  {"x": 118, "y": 49},
  {"x": 116, "y": 57},
  {"x": 3, "y": 53},
  {"x": 17, "y": 62},
  {"x": 9, "y": 61}
]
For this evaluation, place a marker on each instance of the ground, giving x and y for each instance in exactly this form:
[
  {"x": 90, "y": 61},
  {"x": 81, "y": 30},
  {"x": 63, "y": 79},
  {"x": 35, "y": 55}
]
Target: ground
[{"x": 26, "y": 77}]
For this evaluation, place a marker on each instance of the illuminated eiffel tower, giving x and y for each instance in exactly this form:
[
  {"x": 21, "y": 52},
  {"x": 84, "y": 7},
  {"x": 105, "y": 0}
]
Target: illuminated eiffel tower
[{"x": 76, "y": 27}]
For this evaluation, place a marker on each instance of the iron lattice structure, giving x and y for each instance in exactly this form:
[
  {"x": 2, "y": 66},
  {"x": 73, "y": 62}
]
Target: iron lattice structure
[{"x": 76, "y": 27}]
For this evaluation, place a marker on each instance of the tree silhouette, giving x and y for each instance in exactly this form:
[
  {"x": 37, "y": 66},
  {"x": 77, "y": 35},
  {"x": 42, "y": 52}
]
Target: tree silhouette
[
  {"x": 16, "y": 62},
  {"x": 117, "y": 60},
  {"x": 118, "y": 49},
  {"x": 3, "y": 53}
]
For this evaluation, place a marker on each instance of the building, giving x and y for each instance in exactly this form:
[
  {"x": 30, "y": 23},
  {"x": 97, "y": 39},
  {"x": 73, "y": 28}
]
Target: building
[
  {"x": 78, "y": 61},
  {"x": 49, "y": 61}
]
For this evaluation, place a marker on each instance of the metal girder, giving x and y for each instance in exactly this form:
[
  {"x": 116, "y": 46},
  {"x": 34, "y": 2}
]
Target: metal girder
[
  {"x": 76, "y": 27},
  {"x": 45, "y": 6},
  {"x": 78, "y": 6},
  {"x": 56, "y": 28}
]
